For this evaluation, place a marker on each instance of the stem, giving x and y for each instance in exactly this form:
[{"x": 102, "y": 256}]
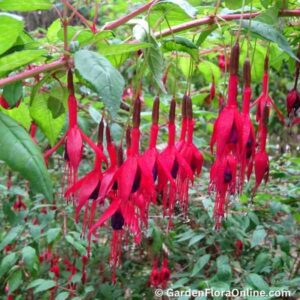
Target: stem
[
  {"x": 125, "y": 19},
  {"x": 58, "y": 64},
  {"x": 77, "y": 13},
  {"x": 212, "y": 20}
]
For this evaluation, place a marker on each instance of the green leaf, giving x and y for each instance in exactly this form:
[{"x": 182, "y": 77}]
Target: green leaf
[
  {"x": 258, "y": 236},
  {"x": 20, "y": 114},
  {"x": 53, "y": 29},
  {"x": 29, "y": 257},
  {"x": 11, "y": 236},
  {"x": 200, "y": 264},
  {"x": 155, "y": 62},
  {"x": 13, "y": 92},
  {"x": 116, "y": 49},
  {"x": 10, "y": 27},
  {"x": 195, "y": 239},
  {"x": 52, "y": 234},
  {"x": 18, "y": 59},
  {"x": 181, "y": 44},
  {"x": 205, "y": 33},
  {"x": 15, "y": 280},
  {"x": 62, "y": 296},
  {"x": 98, "y": 71},
  {"x": 80, "y": 248},
  {"x": 175, "y": 5},
  {"x": 268, "y": 32},
  {"x": 257, "y": 282},
  {"x": 21, "y": 154},
  {"x": 44, "y": 285},
  {"x": 157, "y": 240},
  {"x": 48, "y": 111},
  {"x": 269, "y": 16},
  {"x": 234, "y": 4},
  {"x": 208, "y": 69},
  {"x": 7, "y": 263},
  {"x": 28, "y": 5}
]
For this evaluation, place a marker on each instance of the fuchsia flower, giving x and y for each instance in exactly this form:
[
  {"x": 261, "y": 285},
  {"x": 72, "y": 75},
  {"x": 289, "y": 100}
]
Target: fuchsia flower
[
  {"x": 159, "y": 277},
  {"x": 175, "y": 164},
  {"x": 293, "y": 98},
  {"x": 191, "y": 154},
  {"x": 261, "y": 162},
  {"x": 264, "y": 101},
  {"x": 87, "y": 188},
  {"x": 227, "y": 132},
  {"x": 228, "y": 138},
  {"x": 19, "y": 204},
  {"x": 73, "y": 139},
  {"x": 248, "y": 138}
]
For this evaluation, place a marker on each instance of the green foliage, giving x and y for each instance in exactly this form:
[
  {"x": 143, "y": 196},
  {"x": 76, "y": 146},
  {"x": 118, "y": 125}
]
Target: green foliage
[{"x": 22, "y": 155}]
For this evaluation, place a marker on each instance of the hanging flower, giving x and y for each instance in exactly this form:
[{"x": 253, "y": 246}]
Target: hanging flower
[
  {"x": 73, "y": 139},
  {"x": 248, "y": 138},
  {"x": 192, "y": 156},
  {"x": 165, "y": 273},
  {"x": 155, "y": 277},
  {"x": 261, "y": 162},
  {"x": 174, "y": 163},
  {"x": 264, "y": 102},
  {"x": 227, "y": 132}
]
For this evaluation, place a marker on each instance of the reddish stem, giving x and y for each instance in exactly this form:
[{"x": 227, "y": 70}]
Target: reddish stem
[{"x": 58, "y": 64}]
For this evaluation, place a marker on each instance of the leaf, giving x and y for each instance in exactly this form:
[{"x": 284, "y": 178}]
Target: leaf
[
  {"x": 205, "y": 33},
  {"x": 15, "y": 280},
  {"x": 257, "y": 282},
  {"x": 155, "y": 62},
  {"x": 62, "y": 296},
  {"x": 200, "y": 264},
  {"x": 234, "y": 4},
  {"x": 7, "y": 262},
  {"x": 80, "y": 248},
  {"x": 11, "y": 236},
  {"x": 52, "y": 234},
  {"x": 29, "y": 257},
  {"x": 269, "y": 33},
  {"x": 269, "y": 16},
  {"x": 181, "y": 44},
  {"x": 196, "y": 239},
  {"x": 258, "y": 236},
  {"x": 21, "y": 154},
  {"x": 48, "y": 111},
  {"x": 28, "y": 5},
  {"x": 20, "y": 114},
  {"x": 44, "y": 285},
  {"x": 208, "y": 69},
  {"x": 106, "y": 80},
  {"x": 18, "y": 59},
  {"x": 116, "y": 49},
  {"x": 53, "y": 30},
  {"x": 10, "y": 27},
  {"x": 157, "y": 240},
  {"x": 175, "y": 5},
  {"x": 13, "y": 92}
]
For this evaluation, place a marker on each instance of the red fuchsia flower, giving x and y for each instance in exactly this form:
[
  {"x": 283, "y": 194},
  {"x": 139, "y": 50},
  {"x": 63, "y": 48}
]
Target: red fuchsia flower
[
  {"x": 192, "y": 156},
  {"x": 4, "y": 103},
  {"x": 223, "y": 62},
  {"x": 165, "y": 273},
  {"x": 212, "y": 92},
  {"x": 261, "y": 162},
  {"x": 84, "y": 260},
  {"x": 293, "y": 98},
  {"x": 227, "y": 132},
  {"x": 55, "y": 270},
  {"x": 223, "y": 181},
  {"x": 238, "y": 247},
  {"x": 248, "y": 138},
  {"x": 155, "y": 277},
  {"x": 87, "y": 188},
  {"x": 70, "y": 268},
  {"x": 19, "y": 204},
  {"x": 151, "y": 159},
  {"x": 175, "y": 164},
  {"x": 264, "y": 101},
  {"x": 73, "y": 138}
]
